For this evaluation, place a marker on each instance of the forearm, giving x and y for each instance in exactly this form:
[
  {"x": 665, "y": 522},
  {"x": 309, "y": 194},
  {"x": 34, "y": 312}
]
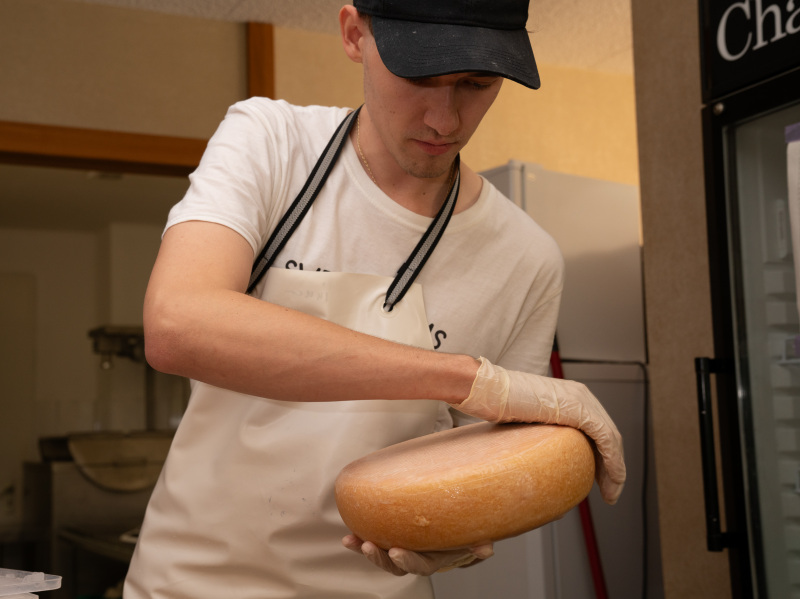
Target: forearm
[
  {"x": 200, "y": 324},
  {"x": 231, "y": 340}
]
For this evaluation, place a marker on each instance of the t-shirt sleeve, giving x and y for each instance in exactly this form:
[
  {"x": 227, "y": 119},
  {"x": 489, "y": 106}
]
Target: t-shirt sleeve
[
  {"x": 530, "y": 344},
  {"x": 234, "y": 178},
  {"x": 536, "y": 278},
  {"x": 532, "y": 347},
  {"x": 254, "y": 165}
]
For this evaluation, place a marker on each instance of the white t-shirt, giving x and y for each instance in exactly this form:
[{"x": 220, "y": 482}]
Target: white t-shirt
[
  {"x": 492, "y": 286},
  {"x": 227, "y": 513}
]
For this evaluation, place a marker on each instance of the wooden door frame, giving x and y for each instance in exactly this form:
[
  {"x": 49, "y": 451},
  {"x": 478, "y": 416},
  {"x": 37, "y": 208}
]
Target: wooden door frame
[{"x": 94, "y": 149}]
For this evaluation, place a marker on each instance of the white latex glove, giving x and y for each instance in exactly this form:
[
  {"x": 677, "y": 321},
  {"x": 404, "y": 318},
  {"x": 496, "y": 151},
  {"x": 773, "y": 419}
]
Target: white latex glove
[
  {"x": 402, "y": 561},
  {"x": 500, "y": 395}
]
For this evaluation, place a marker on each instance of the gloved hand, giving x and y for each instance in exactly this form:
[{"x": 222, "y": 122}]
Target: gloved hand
[
  {"x": 402, "y": 561},
  {"x": 500, "y": 395}
]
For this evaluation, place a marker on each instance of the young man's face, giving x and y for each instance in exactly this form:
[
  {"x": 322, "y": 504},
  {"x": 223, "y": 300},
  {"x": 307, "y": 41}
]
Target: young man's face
[{"x": 424, "y": 123}]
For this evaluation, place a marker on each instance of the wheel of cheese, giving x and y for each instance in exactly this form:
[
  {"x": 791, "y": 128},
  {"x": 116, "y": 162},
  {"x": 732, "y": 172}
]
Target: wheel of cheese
[{"x": 465, "y": 486}]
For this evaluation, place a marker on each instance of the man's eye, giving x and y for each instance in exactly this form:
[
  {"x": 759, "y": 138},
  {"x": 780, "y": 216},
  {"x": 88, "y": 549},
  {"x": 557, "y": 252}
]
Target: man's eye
[{"x": 481, "y": 83}]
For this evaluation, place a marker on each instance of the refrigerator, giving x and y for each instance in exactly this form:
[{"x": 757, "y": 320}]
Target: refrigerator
[
  {"x": 749, "y": 391},
  {"x": 601, "y": 340}
]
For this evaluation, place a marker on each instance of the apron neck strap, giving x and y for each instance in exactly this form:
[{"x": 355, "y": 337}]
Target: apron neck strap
[
  {"x": 291, "y": 220},
  {"x": 410, "y": 269},
  {"x": 294, "y": 215}
]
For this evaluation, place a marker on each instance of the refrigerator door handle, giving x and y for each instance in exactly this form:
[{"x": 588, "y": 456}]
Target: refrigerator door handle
[{"x": 715, "y": 538}]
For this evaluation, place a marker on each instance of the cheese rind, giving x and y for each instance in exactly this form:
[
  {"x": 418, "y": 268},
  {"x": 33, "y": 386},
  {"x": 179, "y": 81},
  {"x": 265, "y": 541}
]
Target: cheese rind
[{"x": 465, "y": 486}]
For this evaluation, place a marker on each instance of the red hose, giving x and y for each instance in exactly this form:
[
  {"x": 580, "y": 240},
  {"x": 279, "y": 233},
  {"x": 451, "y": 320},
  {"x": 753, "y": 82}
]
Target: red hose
[{"x": 589, "y": 537}]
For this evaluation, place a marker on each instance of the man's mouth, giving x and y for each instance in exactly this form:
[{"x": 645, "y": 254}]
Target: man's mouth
[{"x": 434, "y": 148}]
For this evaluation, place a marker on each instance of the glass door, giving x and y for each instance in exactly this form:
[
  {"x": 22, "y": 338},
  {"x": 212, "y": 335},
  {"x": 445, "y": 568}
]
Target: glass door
[
  {"x": 766, "y": 346},
  {"x": 756, "y": 341}
]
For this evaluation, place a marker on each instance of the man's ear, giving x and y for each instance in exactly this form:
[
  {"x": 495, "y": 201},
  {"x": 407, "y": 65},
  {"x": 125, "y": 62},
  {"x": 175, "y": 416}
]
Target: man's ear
[{"x": 353, "y": 31}]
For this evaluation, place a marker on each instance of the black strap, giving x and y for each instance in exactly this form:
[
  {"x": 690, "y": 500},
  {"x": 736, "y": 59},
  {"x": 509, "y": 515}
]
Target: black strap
[
  {"x": 410, "y": 269},
  {"x": 299, "y": 208},
  {"x": 291, "y": 220}
]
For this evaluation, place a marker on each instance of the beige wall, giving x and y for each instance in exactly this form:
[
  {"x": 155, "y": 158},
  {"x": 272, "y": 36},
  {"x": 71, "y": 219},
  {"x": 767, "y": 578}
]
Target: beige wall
[
  {"x": 676, "y": 283},
  {"x": 579, "y": 122},
  {"x": 85, "y": 65},
  {"x": 311, "y": 68}
]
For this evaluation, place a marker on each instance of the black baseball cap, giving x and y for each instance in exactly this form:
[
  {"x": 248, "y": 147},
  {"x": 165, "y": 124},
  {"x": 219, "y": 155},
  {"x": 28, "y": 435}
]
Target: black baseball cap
[{"x": 427, "y": 38}]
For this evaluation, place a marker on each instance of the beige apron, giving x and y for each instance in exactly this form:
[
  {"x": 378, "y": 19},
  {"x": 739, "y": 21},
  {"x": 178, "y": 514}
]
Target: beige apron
[{"x": 244, "y": 507}]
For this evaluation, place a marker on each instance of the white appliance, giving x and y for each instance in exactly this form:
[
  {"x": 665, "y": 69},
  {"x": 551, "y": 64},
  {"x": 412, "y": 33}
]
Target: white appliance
[{"x": 601, "y": 325}]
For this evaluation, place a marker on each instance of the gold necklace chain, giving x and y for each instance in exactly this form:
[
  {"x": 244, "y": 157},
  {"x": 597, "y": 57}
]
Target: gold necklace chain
[{"x": 360, "y": 151}]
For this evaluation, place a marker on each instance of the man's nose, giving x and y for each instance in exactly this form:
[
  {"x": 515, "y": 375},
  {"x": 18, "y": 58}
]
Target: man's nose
[{"x": 442, "y": 112}]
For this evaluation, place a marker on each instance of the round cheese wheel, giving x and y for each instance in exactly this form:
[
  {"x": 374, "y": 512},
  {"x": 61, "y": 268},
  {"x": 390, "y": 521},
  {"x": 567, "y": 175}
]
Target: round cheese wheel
[{"x": 465, "y": 486}]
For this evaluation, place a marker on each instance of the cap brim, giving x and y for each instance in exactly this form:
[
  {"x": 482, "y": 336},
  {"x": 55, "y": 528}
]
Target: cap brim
[{"x": 410, "y": 49}]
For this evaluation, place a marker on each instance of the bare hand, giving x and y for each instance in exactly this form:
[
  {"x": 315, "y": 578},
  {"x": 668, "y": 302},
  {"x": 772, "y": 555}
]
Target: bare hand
[{"x": 400, "y": 562}]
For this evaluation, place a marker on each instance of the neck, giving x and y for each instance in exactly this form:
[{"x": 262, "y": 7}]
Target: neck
[
  {"x": 419, "y": 194},
  {"x": 422, "y": 196}
]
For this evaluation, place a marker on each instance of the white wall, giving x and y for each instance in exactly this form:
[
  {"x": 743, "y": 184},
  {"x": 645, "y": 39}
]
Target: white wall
[
  {"x": 57, "y": 286},
  {"x": 64, "y": 267},
  {"x": 129, "y": 253},
  {"x": 17, "y": 319},
  {"x": 54, "y": 386}
]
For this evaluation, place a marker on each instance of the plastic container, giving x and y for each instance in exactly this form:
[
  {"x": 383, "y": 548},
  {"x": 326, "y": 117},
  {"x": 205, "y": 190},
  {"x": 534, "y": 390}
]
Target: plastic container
[{"x": 15, "y": 584}]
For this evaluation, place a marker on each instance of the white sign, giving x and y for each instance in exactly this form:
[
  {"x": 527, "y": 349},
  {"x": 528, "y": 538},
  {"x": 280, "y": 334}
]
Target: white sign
[{"x": 779, "y": 19}]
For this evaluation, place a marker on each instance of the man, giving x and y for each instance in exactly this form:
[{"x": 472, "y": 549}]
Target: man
[{"x": 319, "y": 258}]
